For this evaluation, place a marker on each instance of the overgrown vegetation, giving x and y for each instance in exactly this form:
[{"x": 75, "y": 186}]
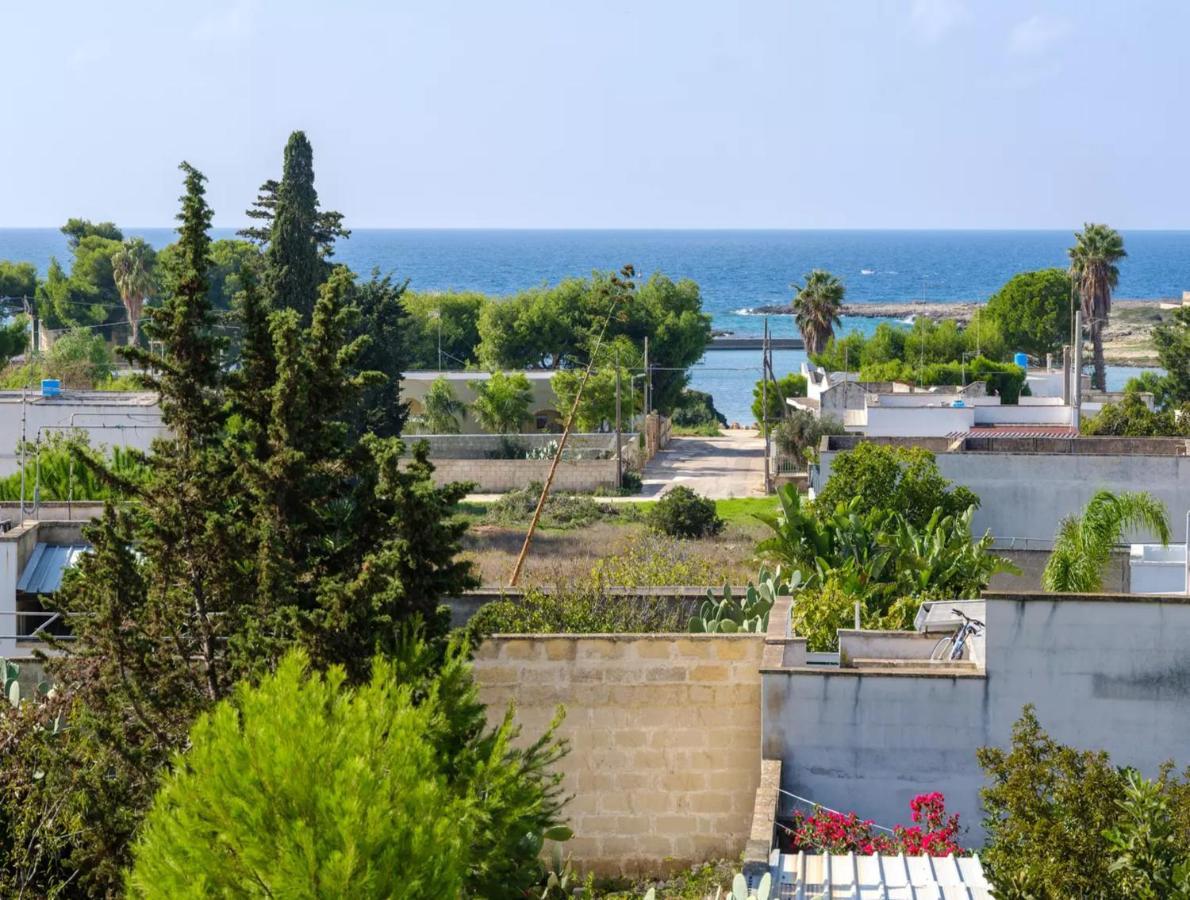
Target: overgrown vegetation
[
  {"x": 55, "y": 471},
  {"x": 563, "y": 509},
  {"x": 1048, "y": 805},
  {"x": 585, "y": 608}
]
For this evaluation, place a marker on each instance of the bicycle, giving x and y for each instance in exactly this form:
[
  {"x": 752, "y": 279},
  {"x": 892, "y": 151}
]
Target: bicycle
[{"x": 957, "y": 642}]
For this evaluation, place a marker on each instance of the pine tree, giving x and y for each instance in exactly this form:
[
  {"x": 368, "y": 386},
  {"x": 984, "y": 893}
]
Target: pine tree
[{"x": 384, "y": 319}]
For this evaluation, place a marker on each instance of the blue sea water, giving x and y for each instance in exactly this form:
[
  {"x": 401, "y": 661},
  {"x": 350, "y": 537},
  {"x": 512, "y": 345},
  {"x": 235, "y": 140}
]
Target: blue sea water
[{"x": 736, "y": 270}]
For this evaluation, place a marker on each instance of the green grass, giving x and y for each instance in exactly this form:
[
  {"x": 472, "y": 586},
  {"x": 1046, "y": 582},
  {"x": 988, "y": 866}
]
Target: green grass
[{"x": 740, "y": 510}]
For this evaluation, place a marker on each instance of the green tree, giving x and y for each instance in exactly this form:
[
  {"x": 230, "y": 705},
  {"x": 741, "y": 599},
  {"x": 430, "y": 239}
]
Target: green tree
[
  {"x": 18, "y": 279},
  {"x": 790, "y": 385},
  {"x": 1047, "y": 804},
  {"x": 799, "y": 433},
  {"x": 231, "y": 262},
  {"x": 1172, "y": 341},
  {"x": 77, "y": 230},
  {"x": 88, "y": 296},
  {"x": 262, "y": 524},
  {"x": 376, "y": 809},
  {"x": 1094, "y": 269},
  {"x": 816, "y": 308},
  {"x": 442, "y": 409},
  {"x": 383, "y": 319},
  {"x": 502, "y": 402},
  {"x": 1131, "y": 417},
  {"x": 905, "y": 479},
  {"x": 449, "y": 321},
  {"x": 1084, "y": 543},
  {"x": 416, "y": 796},
  {"x": 300, "y": 235},
  {"x": 1032, "y": 311},
  {"x": 132, "y": 270}
]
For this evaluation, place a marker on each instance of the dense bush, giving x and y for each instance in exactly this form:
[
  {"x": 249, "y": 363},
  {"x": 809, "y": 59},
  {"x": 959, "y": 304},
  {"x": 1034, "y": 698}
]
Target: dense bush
[
  {"x": 1047, "y": 805},
  {"x": 562, "y": 509},
  {"x": 584, "y": 609},
  {"x": 404, "y": 791},
  {"x": 905, "y": 479},
  {"x": 1132, "y": 418},
  {"x": 651, "y": 560},
  {"x": 1006, "y": 380},
  {"x": 683, "y": 513}
]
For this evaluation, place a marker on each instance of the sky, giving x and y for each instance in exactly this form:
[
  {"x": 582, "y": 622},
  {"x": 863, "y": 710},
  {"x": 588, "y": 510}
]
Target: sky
[{"x": 606, "y": 114}]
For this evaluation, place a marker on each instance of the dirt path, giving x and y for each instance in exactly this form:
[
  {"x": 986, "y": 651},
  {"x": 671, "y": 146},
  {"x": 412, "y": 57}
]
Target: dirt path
[{"x": 731, "y": 465}]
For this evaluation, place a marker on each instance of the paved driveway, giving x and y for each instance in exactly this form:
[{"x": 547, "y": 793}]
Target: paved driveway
[{"x": 728, "y": 466}]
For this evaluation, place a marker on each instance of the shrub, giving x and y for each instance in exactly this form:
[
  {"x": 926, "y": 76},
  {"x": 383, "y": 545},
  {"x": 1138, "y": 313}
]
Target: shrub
[
  {"x": 562, "y": 509},
  {"x": 905, "y": 479},
  {"x": 584, "y": 609},
  {"x": 683, "y": 513},
  {"x": 402, "y": 791},
  {"x": 502, "y": 402},
  {"x": 818, "y": 614},
  {"x": 1047, "y": 804}
]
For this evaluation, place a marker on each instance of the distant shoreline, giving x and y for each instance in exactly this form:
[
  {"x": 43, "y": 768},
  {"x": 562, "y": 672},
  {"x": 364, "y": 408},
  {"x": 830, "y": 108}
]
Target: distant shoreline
[{"x": 959, "y": 310}]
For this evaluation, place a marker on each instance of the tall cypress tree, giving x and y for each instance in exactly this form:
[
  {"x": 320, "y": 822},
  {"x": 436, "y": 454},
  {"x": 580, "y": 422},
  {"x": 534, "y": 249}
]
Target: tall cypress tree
[
  {"x": 300, "y": 237},
  {"x": 264, "y": 523}
]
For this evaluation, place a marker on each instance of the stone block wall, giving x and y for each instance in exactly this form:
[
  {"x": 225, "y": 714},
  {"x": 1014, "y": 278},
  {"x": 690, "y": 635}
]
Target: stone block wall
[
  {"x": 501, "y": 475},
  {"x": 665, "y": 738}
]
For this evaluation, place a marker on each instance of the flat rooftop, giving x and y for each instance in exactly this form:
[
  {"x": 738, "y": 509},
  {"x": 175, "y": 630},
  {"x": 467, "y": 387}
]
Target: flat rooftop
[{"x": 81, "y": 398}]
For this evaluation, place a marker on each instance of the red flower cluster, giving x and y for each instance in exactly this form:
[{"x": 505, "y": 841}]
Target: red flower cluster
[{"x": 932, "y": 834}]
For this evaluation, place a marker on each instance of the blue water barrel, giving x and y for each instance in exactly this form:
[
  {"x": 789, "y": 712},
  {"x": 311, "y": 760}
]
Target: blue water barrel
[
  {"x": 1021, "y": 359},
  {"x": 51, "y": 387}
]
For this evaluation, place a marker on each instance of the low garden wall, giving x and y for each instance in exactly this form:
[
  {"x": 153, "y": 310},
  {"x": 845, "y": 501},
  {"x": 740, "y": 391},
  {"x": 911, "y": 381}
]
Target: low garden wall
[{"x": 665, "y": 738}]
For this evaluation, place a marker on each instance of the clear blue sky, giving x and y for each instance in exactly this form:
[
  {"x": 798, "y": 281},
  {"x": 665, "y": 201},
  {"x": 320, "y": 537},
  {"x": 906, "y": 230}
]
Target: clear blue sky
[{"x": 600, "y": 113}]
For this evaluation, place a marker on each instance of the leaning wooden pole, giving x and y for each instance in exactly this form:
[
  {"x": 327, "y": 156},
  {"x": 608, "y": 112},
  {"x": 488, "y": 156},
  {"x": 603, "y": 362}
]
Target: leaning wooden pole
[{"x": 549, "y": 478}]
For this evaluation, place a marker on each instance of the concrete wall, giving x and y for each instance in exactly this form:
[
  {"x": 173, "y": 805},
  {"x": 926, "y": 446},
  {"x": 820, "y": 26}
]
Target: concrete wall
[
  {"x": 1026, "y": 495},
  {"x": 1109, "y": 672},
  {"x": 108, "y": 418},
  {"x": 927, "y": 421},
  {"x": 665, "y": 738},
  {"x": 500, "y": 475}
]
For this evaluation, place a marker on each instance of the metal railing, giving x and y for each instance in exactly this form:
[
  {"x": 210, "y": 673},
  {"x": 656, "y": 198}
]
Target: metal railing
[{"x": 47, "y": 619}]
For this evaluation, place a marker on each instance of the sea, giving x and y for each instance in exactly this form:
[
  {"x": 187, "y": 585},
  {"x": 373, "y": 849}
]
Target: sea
[{"x": 737, "y": 271}]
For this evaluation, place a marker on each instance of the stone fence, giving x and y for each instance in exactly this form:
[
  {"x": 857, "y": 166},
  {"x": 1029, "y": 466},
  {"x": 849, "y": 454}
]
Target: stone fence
[
  {"x": 664, "y": 730},
  {"x": 498, "y": 476}
]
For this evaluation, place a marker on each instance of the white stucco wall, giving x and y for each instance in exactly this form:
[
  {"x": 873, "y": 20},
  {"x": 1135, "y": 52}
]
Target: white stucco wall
[
  {"x": 1110, "y": 674},
  {"x": 108, "y": 418},
  {"x": 1026, "y": 495}
]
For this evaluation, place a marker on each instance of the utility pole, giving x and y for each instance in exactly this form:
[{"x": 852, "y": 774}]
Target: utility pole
[
  {"x": 764, "y": 402},
  {"x": 1077, "y": 374},
  {"x": 648, "y": 381},
  {"x": 619, "y": 443}
]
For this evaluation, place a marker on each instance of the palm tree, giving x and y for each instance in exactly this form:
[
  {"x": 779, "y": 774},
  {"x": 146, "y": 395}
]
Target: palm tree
[
  {"x": 132, "y": 269},
  {"x": 1095, "y": 274},
  {"x": 442, "y": 409},
  {"x": 1085, "y": 542},
  {"x": 502, "y": 402},
  {"x": 816, "y": 309}
]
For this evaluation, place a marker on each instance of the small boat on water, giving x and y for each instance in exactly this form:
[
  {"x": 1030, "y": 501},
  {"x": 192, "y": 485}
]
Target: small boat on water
[{"x": 867, "y": 271}]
